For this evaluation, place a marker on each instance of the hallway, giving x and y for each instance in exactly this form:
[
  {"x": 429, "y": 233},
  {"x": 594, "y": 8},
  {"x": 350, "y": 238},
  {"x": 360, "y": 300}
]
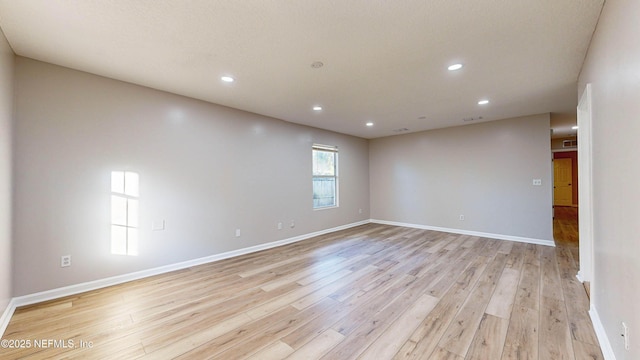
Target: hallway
[{"x": 565, "y": 226}]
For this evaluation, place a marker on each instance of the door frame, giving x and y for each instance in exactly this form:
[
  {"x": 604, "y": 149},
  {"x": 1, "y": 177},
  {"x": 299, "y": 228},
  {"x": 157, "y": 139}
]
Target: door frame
[{"x": 585, "y": 188}]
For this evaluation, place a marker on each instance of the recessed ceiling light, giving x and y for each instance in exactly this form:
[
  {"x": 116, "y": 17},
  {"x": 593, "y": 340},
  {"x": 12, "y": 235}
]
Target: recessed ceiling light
[
  {"x": 317, "y": 108},
  {"x": 227, "y": 79},
  {"x": 483, "y": 102},
  {"x": 574, "y": 127},
  {"x": 454, "y": 67},
  {"x": 369, "y": 124}
]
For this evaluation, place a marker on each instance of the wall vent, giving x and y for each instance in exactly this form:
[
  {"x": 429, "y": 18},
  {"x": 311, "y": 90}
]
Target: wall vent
[
  {"x": 569, "y": 143},
  {"x": 401, "y": 130}
]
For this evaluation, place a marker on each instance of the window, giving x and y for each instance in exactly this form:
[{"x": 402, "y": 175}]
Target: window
[
  {"x": 124, "y": 212},
  {"x": 325, "y": 176}
]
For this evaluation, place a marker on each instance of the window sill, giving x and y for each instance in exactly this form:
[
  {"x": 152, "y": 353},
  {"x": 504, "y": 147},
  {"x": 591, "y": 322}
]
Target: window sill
[{"x": 325, "y": 208}]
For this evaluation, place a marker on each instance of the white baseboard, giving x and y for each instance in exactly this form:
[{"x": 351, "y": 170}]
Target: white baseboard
[
  {"x": 115, "y": 280},
  {"x": 603, "y": 339},
  {"x": 6, "y": 316},
  {"x": 467, "y": 232}
]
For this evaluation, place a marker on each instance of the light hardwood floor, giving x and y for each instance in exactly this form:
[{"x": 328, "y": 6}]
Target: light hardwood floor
[
  {"x": 566, "y": 235},
  {"x": 371, "y": 292}
]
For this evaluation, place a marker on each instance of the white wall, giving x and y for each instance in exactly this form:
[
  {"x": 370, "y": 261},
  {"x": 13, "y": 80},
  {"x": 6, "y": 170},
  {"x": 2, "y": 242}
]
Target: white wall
[
  {"x": 482, "y": 171},
  {"x": 204, "y": 169},
  {"x": 6, "y": 120},
  {"x": 613, "y": 67}
]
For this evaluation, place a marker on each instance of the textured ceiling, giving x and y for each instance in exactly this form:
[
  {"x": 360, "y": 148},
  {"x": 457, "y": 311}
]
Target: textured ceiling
[{"x": 384, "y": 61}]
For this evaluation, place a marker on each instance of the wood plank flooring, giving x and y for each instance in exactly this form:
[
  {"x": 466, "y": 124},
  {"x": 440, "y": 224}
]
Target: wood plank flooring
[
  {"x": 370, "y": 292},
  {"x": 565, "y": 226},
  {"x": 566, "y": 235}
]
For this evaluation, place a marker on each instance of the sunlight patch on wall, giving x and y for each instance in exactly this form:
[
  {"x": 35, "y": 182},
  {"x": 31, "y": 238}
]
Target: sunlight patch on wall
[{"x": 124, "y": 212}]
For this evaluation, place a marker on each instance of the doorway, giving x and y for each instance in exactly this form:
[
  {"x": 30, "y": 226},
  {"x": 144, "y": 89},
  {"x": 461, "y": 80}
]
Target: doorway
[
  {"x": 565, "y": 148},
  {"x": 565, "y": 200},
  {"x": 573, "y": 224}
]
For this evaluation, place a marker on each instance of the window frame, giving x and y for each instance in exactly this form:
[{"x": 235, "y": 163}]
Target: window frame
[{"x": 329, "y": 149}]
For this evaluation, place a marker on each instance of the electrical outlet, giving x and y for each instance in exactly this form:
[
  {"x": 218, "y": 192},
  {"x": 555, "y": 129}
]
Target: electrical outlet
[
  {"x": 279, "y": 226},
  {"x": 360, "y": 211},
  {"x": 625, "y": 335},
  {"x": 461, "y": 217},
  {"x": 537, "y": 182},
  {"x": 293, "y": 224},
  {"x": 237, "y": 232},
  {"x": 65, "y": 260}
]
